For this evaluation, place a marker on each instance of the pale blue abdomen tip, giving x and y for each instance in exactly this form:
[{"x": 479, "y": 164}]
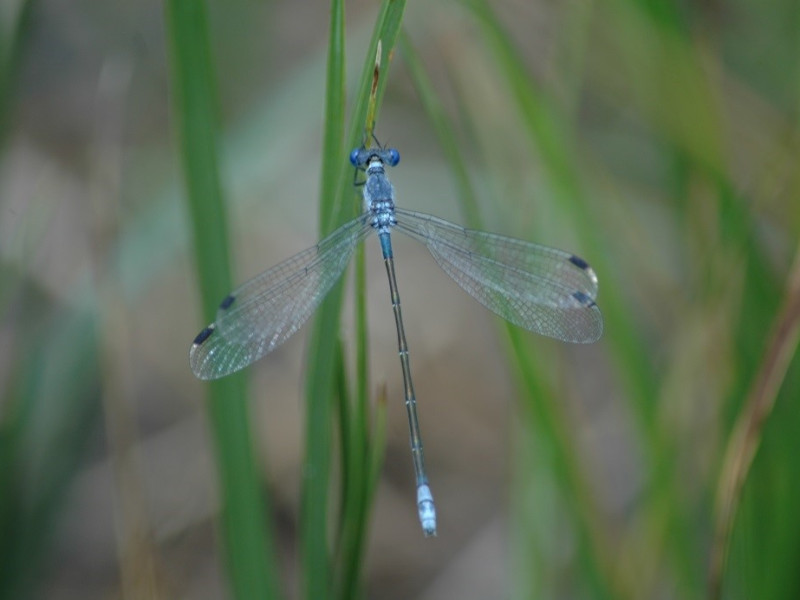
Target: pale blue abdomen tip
[{"x": 427, "y": 511}]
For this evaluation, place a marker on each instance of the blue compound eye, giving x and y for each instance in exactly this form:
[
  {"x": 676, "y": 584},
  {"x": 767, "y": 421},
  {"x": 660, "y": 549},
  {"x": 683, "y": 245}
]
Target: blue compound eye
[
  {"x": 394, "y": 157},
  {"x": 354, "y": 156}
]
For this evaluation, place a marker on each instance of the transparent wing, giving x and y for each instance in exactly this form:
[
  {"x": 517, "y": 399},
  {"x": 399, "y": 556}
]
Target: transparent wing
[
  {"x": 261, "y": 314},
  {"x": 542, "y": 289}
]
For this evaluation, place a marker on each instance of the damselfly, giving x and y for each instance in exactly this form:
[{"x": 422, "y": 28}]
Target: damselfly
[{"x": 541, "y": 289}]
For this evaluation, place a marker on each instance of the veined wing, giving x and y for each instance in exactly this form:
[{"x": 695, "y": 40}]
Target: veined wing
[
  {"x": 542, "y": 289},
  {"x": 264, "y": 312}
]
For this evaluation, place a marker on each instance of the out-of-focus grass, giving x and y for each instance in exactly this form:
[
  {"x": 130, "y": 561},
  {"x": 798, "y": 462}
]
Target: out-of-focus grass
[
  {"x": 50, "y": 404},
  {"x": 658, "y": 141},
  {"x": 48, "y": 371},
  {"x": 16, "y": 22},
  {"x": 248, "y": 552},
  {"x": 676, "y": 98}
]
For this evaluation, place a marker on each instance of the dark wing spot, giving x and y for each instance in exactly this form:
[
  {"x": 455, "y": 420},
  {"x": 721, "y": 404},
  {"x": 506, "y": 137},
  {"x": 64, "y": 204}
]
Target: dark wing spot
[
  {"x": 583, "y": 298},
  {"x": 579, "y": 262},
  {"x": 203, "y": 335},
  {"x": 226, "y": 304}
]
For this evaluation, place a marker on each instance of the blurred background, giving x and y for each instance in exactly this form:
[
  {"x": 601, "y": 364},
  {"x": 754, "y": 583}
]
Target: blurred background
[{"x": 657, "y": 139}]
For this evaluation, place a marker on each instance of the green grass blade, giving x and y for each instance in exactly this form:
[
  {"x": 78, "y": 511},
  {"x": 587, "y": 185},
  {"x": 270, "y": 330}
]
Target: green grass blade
[
  {"x": 387, "y": 28},
  {"x": 321, "y": 381},
  {"x": 544, "y": 405},
  {"x": 333, "y": 150},
  {"x": 748, "y": 432},
  {"x": 552, "y": 135},
  {"x": 324, "y": 338},
  {"x": 355, "y": 444},
  {"x": 11, "y": 52},
  {"x": 50, "y": 413},
  {"x": 363, "y": 445},
  {"x": 247, "y": 550},
  {"x": 435, "y": 112}
]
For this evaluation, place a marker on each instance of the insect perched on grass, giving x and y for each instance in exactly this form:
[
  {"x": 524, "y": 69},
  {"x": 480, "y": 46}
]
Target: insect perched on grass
[{"x": 541, "y": 289}]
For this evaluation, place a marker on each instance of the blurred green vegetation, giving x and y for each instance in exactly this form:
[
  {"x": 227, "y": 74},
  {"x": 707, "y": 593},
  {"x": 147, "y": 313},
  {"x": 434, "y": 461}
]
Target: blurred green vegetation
[{"x": 657, "y": 139}]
